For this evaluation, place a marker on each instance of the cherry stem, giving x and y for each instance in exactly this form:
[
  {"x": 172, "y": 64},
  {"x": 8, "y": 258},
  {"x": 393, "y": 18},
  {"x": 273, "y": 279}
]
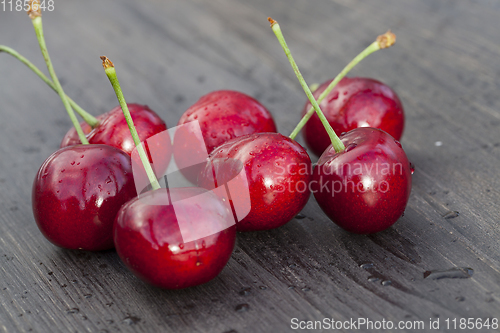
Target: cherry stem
[
  {"x": 383, "y": 41},
  {"x": 87, "y": 117},
  {"x": 35, "y": 14},
  {"x": 109, "y": 68},
  {"x": 336, "y": 143}
]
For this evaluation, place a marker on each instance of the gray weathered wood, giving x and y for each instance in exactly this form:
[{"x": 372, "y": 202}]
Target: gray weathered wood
[{"x": 445, "y": 67}]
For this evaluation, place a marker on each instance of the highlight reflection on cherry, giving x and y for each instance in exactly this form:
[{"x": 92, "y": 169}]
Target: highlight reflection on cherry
[
  {"x": 278, "y": 173},
  {"x": 365, "y": 188},
  {"x": 113, "y": 129},
  {"x": 77, "y": 193},
  {"x": 227, "y": 114},
  {"x": 175, "y": 238},
  {"x": 354, "y": 102}
]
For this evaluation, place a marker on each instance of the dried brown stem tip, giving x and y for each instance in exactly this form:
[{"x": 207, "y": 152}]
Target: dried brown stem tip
[
  {"x": 386, "y": 40},
  {"x": 34, "y": 9},
  {"x": 106, "y": 63},
  {"x": 273, "y": 22}
]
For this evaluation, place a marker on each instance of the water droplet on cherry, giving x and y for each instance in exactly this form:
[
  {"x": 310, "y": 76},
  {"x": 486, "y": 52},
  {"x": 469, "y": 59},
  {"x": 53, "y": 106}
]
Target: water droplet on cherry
[
  {"x": 350, "y": 147},
  {"x": 334, "y": 97}
]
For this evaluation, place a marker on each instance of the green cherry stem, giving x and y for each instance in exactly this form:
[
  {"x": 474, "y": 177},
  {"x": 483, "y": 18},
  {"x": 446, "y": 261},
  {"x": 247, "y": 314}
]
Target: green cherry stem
[
  {"x": 383, "y": 41},
  {"x": 87, "y": 117},
  {"x": 109, "y": 68},
  {"x": 336, "y": 143},
  {"x": 35, "y": 14}
]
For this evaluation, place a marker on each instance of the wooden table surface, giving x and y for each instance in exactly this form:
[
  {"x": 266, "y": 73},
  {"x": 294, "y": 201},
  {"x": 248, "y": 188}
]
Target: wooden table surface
[{"x": 445, "y": 67}]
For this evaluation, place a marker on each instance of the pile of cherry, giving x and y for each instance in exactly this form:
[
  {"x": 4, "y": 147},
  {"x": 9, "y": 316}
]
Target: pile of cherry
[{"x": 84, "y": 196}]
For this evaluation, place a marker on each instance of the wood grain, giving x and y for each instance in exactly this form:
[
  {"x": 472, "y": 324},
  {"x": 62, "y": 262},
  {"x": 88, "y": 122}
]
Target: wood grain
[{"x": 445, "y": 67}]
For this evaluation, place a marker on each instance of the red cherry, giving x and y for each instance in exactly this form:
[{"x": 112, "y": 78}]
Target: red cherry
[
  {"x": 278, "y": 172},
  {"x": 77, "y": 193},
  {"x": 226, "y": 114},
  {"x": 71, "y": 137},
  {"x": 354, "y": 102},
  {"x": 365, "y": 188},
  {"x": 113, "y": 129},
  {"x": 177, "y": 238}
]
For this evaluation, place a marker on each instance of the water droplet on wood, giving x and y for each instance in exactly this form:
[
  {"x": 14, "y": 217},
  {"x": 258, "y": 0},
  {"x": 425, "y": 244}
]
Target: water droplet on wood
[
  {"x": 452, "y": 273},
  {"x": 245, "y": 291},
  {"x": 242, "y": 307},
  {"x": 131, "y": 320},
  {"x": 451, "y": 215},
  {"x": 73, "y": 310}
]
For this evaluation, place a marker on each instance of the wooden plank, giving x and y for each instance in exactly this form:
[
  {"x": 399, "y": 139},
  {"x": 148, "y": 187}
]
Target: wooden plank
[{"x": 168, "y": 53}]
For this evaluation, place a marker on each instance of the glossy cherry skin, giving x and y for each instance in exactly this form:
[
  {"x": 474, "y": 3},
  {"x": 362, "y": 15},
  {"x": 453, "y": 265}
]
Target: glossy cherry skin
[
  {"x": 365, "y": 188},
  {"x": 113, "y": 129},
  {"x": 77, "y": 193},
  {"x": 227, "y": 114},
  {"x": 354, "y": 102},
  {"x": 148, "y": 237},
  {"x": 71, "y": 137},
  {"x": 278, "y": 171}
]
